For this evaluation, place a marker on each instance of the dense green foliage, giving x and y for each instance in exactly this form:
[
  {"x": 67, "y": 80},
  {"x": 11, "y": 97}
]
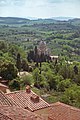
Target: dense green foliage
[
  {"x": 63, "y": 85},
  {"x": 62, "y": 37},
  {"x": 17, "y": 43},
  {"x": 8, "y": 70}
]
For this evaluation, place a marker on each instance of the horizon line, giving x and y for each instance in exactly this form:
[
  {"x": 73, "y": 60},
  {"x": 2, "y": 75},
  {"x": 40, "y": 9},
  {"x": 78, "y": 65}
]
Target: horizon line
[{"x": 30, "y": 17}]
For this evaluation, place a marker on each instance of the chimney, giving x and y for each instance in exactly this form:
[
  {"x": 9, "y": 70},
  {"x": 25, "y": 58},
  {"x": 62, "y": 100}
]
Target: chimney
[
  {"x": 35, "y": 98},
  {"x": 28, "y": 89}
]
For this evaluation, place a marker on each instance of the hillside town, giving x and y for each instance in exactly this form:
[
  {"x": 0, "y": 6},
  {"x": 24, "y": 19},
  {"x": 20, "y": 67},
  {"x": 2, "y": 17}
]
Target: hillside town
[{"x": 39, "y": 59}]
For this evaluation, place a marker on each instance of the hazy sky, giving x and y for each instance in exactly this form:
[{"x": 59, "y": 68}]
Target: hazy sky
[{"x": 40, "y": 8}]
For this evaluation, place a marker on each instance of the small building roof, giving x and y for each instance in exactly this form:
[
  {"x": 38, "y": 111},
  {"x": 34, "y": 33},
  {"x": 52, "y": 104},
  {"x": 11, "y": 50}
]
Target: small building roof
[
  {"x": 26, "y": 99},
  {"x": 16, "y": 113},
  {"x": 61, "y": 111}
]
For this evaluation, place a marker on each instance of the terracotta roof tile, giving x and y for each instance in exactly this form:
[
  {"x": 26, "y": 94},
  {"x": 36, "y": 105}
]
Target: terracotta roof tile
[
  {"x": 17, "y": 101},
  {"x": 60, "y": 111},
  {"x": 2, "y": 85},
  {"x": 4, "y": 117},
  {"x": 23, "y": 99},
  {"x": 16, "y": 113},
  {"x": 4, "y": 100}
]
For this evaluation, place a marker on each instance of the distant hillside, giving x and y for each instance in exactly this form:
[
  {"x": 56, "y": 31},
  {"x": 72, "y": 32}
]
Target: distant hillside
[
  {"x": 13, "y": 20},
  {"x": 62, "y": 18},
  {"x": 25, "y": 21},
  {"x": 75, "y": 21}
]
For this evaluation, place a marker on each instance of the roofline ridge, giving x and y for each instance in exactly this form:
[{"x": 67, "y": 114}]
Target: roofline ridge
[
  {"x": 66, "y": 105},
  {"x": 15, "y": 92},
  {"x": 3, "y": 85}
]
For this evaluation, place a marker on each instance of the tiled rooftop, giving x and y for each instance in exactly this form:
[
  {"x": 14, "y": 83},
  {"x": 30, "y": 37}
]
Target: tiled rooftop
[
  {"x": 16, "y": 106},
  {"x": 60, "y": 111},
  {"x": 16, "y": 113},
  {"x": 27, "y": 100},
  {"x": 4, "y": 100}
]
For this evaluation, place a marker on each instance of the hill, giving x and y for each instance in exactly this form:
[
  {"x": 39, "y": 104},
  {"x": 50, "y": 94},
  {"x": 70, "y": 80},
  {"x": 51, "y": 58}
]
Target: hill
[
  {"x": 62, "y": 37},
  {"x": 25, "y": 21},
  {"x": 13, "y": 20}
]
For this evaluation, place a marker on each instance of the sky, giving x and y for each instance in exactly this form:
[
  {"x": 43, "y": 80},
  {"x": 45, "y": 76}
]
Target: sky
[{"x": 40, "y": 8}]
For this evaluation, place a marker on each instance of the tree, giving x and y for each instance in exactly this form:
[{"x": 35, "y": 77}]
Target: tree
[
  {"x": 62, "y": 85},
  {"x": 36, "y": 56},
  {"x": 75, "y": 69},
  {"x": 14, "y": 85},
  {"x": 26, "y": 80},
  {"x": 24, "y": 65},
  {"x": 72, "y": 96},
  {"x": 39, "y": 79},
  {"x": 18, "y": 62},
  {"x": 30, "y": 56},
  {"x": 8, "y": 70},
  {"x": 36, "y": 77},
  {"x": 67, "y": 71},
  {"x": 3, "y": 46}
]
